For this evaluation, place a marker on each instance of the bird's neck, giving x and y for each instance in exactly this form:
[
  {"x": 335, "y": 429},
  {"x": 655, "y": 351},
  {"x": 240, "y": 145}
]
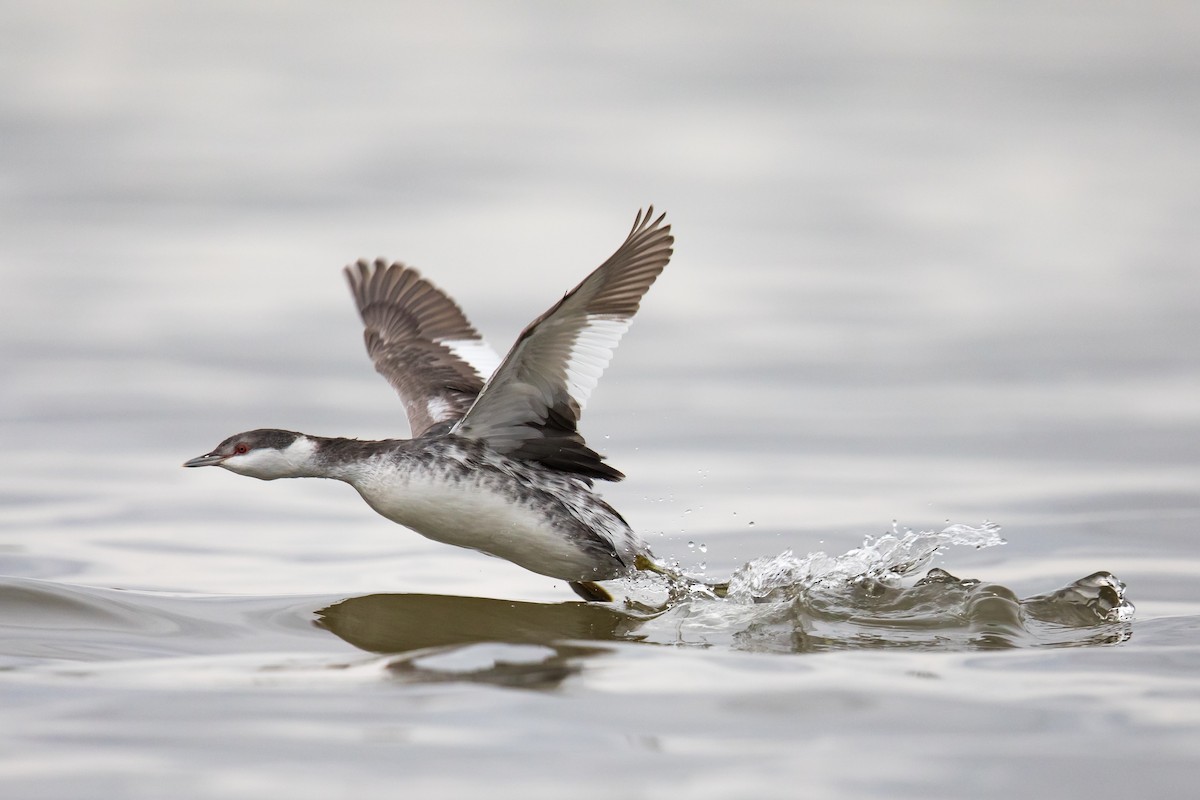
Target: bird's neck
[{"x": 334, "y": 457}]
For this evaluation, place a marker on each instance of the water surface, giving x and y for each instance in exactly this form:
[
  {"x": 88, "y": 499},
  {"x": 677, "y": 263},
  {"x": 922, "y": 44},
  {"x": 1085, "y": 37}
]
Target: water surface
[{"x": 935, "y": 267}]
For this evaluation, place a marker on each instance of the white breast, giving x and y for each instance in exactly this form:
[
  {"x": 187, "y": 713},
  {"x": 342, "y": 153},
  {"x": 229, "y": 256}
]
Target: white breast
[{"x": 470, "y": 512}]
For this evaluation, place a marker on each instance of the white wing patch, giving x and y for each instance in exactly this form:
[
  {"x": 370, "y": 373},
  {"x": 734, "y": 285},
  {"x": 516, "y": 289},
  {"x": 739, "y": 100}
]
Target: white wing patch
[
  {"x": 476, "y": 352},
  {"x": 591, "y": 352},
  {"x": 437, "y": 407},
  {"x": 530, "y": 406}
]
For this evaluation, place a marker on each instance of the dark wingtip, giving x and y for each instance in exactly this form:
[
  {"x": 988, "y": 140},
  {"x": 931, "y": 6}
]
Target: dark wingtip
[{"x": 644, "y": 218}]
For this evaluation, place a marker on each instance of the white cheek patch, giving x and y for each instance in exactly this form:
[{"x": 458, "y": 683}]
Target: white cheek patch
[
  {"x": 263, "y": 464},
  {"x": 300, "y": 451},
  {"x": 268, "y": 464}
]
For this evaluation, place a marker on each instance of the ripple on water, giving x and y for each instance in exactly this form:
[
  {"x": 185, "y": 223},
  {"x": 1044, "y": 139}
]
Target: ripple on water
[{"x": 869, "y": 597}]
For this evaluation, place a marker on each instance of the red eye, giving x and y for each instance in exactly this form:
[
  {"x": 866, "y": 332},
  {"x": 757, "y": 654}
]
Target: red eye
[{"x": 241, "y": 449}]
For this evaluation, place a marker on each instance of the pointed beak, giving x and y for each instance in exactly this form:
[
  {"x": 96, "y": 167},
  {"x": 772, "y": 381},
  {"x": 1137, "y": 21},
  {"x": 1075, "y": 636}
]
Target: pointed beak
[{"x": 210, "y": 460}]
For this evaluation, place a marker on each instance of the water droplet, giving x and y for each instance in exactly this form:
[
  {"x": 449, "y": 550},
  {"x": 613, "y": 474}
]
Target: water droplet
[
  {"x": 703, "y": 548},
  {"x": 687, "y": 511},
  {"x": 750, "y": 524},
  {"x": 691, "y": 545}
]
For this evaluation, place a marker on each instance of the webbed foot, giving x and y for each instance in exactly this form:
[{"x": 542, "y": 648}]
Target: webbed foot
[{"x": 649, "y": 564}]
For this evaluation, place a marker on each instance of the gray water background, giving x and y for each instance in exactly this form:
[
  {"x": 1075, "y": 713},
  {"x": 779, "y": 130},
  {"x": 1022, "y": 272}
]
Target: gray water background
[{"x": 934, "y": 262}]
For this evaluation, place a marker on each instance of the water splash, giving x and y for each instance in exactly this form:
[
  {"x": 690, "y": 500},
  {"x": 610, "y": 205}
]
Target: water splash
[
  {"x": 867, "y": 598},
  {"x": 1099, "y": 595},
  {"x": 885, "y": 559}
]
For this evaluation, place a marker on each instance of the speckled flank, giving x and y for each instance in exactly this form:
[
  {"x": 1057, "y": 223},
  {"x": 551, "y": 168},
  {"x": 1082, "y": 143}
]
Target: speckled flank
[{"x": 460, "y": 492}]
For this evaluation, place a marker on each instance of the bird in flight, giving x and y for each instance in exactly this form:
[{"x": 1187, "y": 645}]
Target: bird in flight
[{"x": 496, "y": 463}]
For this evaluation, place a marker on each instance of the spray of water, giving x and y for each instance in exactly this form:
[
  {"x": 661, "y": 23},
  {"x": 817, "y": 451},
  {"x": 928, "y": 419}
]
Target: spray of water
[
  {"x": 871, "y": 596},
  {"x": 886, "y": 559}
]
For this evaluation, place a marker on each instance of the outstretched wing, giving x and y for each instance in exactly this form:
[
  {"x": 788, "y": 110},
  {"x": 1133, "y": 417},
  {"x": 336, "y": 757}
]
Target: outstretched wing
[
  {"x": 530, "y": 407},
  {"x": 421, "y": 341}
]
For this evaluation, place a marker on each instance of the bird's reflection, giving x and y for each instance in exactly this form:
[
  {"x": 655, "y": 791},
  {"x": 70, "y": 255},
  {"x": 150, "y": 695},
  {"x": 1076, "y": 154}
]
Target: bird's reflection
[{"x": 502, "y": 642}]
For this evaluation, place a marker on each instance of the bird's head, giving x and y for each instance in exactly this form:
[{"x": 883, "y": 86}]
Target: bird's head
[{"x": 265, "y": 454}]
